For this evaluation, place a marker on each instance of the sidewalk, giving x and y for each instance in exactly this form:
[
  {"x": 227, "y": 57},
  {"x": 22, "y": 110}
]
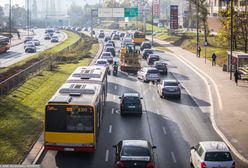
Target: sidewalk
[{"x": 230, "y": 102}]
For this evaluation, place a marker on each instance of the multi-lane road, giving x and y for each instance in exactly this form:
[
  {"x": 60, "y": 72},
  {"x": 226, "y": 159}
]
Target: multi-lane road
[
  {"x": 17, "y": 53},
  {"x": 172, "y": 125}
]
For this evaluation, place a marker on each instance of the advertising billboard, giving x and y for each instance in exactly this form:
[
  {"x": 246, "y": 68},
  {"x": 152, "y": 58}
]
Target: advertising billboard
[{"x": 174, "y": 17}]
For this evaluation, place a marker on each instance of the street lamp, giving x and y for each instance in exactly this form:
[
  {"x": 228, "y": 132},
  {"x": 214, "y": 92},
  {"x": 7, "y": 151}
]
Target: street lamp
[
  {"x": 231, "y": 42},
  {"x": 91, "y": 20},
  {"x": 10, "y": 21},
  {"x": 152, "y": 22}
]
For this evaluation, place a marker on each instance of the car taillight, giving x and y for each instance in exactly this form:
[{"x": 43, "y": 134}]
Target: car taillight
[
  {"x": 120, "y": 164},
  {"x": 203, "y": 165},
  {"x": 149, "y": 165},
  {"x": 233, "y": 165}
]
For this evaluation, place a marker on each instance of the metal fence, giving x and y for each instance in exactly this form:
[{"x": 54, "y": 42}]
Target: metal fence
[{"x": 21, "y": 77}]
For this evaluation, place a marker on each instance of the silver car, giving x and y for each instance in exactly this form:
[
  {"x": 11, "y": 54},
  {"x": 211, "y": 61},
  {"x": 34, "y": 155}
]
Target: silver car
[
  {"x": 108, "y": 56},
  {"x": 169, "y": 87},
  {"x": 148, "y": 74},
  {"x": 211, "y": 154}
]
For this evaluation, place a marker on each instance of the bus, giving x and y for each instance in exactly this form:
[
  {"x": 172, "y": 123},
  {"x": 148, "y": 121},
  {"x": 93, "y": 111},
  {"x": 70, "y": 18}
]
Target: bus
[
  {"x": 90, "y": 74},
  {"x": 73, "y": 117},
  {"x": 4, "y": 44},
  {"x": 138, "y": 37}
]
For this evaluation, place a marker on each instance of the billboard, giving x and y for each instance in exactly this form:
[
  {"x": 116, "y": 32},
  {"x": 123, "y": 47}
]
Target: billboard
[
  {"x": 174, "y": 17},
  {"x": 105, "y": 12},
  {"x": 156, "y": 8}
]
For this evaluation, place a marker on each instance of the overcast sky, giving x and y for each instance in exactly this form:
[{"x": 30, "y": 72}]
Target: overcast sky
[{"x": 20, "y": 2}]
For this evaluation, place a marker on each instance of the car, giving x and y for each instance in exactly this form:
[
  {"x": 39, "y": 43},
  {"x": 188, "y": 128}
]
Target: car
[
  {"x": 126, "y": 41},
  {"x": 161, "y": 67},
  {"x": 109, "y": 45},
  {"x": 148, "y": 74},
  {"x": 110, "y": 49},
  {"x": 55, "y": 39},
  {"x": 28, "y": 43},
  {"x": 108, "y": 56},
  {"x": 36, "y": 42},
  {"x": 152, "y": 58},
  {"x": 30, "y": 48},
  {"x": 112, "y": 33},
  {"x": 169, "y": 88},
  {"x": 101, "y": 35},
  {"x": 85, "y": 29},
  {"x": 106, "y": 39},
  {"x": 78, "y": 29},
  {"x": 28, "y": 38},
  {"x": 111, "y": 41},
  {"x": 103, "y": 62},
  {"x": 211, "y": 154},
  {"x": 115, "y": 37},
  {"x": 146, "y": 52},
  {"x": 134, "y": 154},
  {"x": 122, "y": 35},
  {"x": 47, "y": 37},
  {"x": 145, "y": 45},
  {"x": 130, "y": 104}
]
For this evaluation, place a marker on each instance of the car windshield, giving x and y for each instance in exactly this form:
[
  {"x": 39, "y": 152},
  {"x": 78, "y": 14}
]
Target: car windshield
[
  {"x": 131, "y": 99},
  {"x": 106, "y": 54},
  {"x": 134, "y": 151},
  {"x": 148, "y": 51},
  {"x": 170, "y": 84},
  {"x": 152, "y": 71},
  {"x": 101, "y": 62},
  {"x": 218, "y": 156}
]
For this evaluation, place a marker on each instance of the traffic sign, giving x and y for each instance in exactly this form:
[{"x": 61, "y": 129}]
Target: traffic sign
[{"x": 131, "y": 12}]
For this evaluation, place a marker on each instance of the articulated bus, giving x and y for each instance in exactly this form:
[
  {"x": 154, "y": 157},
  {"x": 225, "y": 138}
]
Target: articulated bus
[
  {"x": 138, "y": 37},
  {"x": 90, "y": 74},
  {"x": 4, "y": 44},
  {"x": 73, "y": 116}
]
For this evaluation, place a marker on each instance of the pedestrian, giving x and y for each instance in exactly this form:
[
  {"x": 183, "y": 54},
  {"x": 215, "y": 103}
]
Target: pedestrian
[
  {"x": 18, "y": 35},
  {"x": 199, "y": 51},
  {"x": 214, "y": 59},
  {"x": 236, "y": 77}
]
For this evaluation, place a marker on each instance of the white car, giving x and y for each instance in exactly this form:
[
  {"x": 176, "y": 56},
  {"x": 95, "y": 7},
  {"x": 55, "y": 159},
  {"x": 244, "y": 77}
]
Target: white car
[
  {"x": 103, "y": 62},
  {"x": 108, "y": 56},
  {"x": 148, "y": 74},
  {"x": 211, "y": 154}
]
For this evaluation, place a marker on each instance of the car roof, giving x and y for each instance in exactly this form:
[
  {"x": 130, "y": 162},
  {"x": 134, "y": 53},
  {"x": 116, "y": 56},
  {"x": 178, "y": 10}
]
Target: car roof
[
  {"x": 131, "y": 94},
  {"x": 170, "y": 80},
  {"x": 101, "y": 59},
  {"x": 140, "y": 143},
  {"x": 214, "y": 146},
  {"x": 150, "y": 68},
  {"x": 109, "y": 47}
]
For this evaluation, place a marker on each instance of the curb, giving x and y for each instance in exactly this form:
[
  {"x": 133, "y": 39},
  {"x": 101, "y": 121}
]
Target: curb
[
  {"x": 38, "y": 148},
  {"x": 204, "y": 76}
]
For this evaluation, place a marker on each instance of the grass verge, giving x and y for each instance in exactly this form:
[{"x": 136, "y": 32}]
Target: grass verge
[{"x": 22, "y": 111}]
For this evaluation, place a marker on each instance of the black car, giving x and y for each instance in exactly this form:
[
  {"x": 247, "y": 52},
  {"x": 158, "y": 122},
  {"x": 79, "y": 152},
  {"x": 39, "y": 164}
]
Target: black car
[
  {"x": 28, "y": 38},
  {"x": 161, "y": 67},
  {"x": 106, "y": 39},
  {"x": 110, "y": 49},
  {"x": 152, "y": 58},
  {"x": 130, "y": 104},
  {"x": 145, "y": 45},
  {"x": 134, "y": 154},
  {"x": 146, "y": 53},
  {"x": 30, "y": 48}
]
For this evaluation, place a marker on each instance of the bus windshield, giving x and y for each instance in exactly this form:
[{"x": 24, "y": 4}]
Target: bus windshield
[
  {"x": 139, "y": 35},
  {"x": 69, "y": 118}
]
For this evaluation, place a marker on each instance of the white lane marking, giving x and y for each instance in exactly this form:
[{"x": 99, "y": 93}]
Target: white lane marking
[
  {"x": 173, "y": 157},
  {"x": 114, "y": 97},
  {"x": 164, "y": 130},
  {"x": 110, "y": 129},
  {"x": 115, "y": 87},
  {"x": 113, "y": 110},
  {"x": 107, "y": 155}
]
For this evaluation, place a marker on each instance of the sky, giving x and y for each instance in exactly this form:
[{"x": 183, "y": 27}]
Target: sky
[{"x": 19, "y": 2}]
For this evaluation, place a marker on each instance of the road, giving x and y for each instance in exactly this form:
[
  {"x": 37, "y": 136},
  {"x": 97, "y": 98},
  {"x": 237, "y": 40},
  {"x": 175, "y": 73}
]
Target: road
[
  {"x": 17, "y": 53},
  {"x": 172, "y": 125}
]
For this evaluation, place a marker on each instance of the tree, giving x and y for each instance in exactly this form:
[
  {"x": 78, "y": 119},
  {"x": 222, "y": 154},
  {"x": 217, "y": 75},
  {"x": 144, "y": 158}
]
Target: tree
[
  {"x": 19, "y": 16},
  {"x": 76, "y": 13}
]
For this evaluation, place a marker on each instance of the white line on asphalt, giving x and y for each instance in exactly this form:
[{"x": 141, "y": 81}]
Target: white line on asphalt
[
  {"x": 164, "y": 130},
  {"x": 115, "y": 87},
  {"x": 107, "y": 155},
  {"x": 173, "y": 157},
  {"x": 113, "y": 110},
  {"x": 110, "y": 129}
]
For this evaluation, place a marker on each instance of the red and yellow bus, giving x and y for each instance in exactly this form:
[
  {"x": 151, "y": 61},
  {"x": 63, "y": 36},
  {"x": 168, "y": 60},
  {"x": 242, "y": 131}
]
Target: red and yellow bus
[
  {"x": 138, "y": 37},
  {"x": 73, "y": 117},
  {"x": 4, "y": 44}
]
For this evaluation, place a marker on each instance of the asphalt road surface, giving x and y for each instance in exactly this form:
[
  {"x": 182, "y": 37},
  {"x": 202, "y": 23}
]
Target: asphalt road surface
[
  {"x": 170, "y": 124},
  {"x": 17, "y": 53}
]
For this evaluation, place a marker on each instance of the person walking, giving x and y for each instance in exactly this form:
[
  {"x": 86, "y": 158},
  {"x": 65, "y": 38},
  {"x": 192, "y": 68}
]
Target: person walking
[
  {"x": 214, "y": 59},
  {"x": 236, "y": 77},
  {"x": 199, "y": 51}
]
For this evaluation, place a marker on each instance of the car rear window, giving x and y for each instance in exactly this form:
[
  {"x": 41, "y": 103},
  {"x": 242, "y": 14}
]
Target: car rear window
[
  {"x": 106, "y": 54},
  {"x": 153, "y": 71},
  {"x": 134, "y": 151},
  {"x": 218, "y": 156},
  {"x": 149, "y": 51},
  {"x": 170, "y": 84},
  {"x": 101, "y": 62},
  {"x": 131, "y": 99}
]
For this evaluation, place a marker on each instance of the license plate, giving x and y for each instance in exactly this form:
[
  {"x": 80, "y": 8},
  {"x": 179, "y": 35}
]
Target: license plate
[
  {"x": 131, "y": 106},
  {"x": 172, "y": 90},
  {"x": 68, "y": 149}
]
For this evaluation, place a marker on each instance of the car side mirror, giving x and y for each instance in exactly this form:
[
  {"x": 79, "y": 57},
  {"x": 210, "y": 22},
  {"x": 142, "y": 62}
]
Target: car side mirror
[
  {"x": 154, "y": 147},
  {"x": 192, "y": 148},
  {"x": 114, "y": 146}
]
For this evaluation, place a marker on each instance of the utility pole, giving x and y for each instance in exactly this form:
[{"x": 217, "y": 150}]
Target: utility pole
[
  {"x": 152, "y": 22},
  {"x": 197, "y": 30},
  {"x": 10, "y": 21},
  {"x": 231, "y": 42}
]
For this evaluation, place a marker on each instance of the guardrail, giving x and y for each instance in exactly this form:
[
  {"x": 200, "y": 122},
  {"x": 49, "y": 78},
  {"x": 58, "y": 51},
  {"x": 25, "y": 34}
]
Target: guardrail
[{"x": 22, "y": 76}]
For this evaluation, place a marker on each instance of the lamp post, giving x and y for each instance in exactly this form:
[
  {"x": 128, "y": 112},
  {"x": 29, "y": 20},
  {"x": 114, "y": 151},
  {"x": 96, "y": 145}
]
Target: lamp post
[
  {"x": 152, "y": 22},
  {"x": 197, "y": 30},
  {"x": 91, "y": 20},
  {"x": 10, "y": 21},
  {"x": 231, "y": 38}
]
